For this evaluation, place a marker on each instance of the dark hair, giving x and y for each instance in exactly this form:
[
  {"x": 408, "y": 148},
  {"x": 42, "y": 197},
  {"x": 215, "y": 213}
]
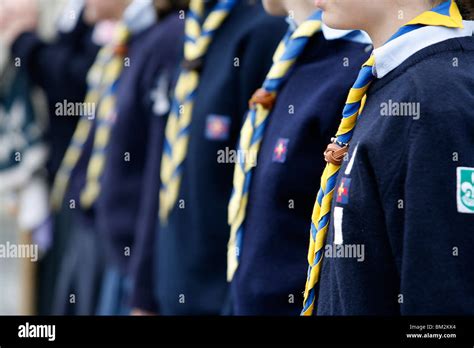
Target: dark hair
[
  {"x": 467, "y": 8},
  {"x": 165, "y": 7}
]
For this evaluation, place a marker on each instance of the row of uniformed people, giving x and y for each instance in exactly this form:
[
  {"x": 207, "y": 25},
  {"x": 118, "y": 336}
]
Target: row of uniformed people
[
  {"x": 60, "y": 68},
  {"x": 126, "y": 83},
  {"x": 176, "y": 224}
]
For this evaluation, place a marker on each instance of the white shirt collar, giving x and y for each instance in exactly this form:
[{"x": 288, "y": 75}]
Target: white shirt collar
[
  {"x": 335, "y": 34},
  {"x": 394, "y": 53},
  {"x": 66, "y": 23},
  {"x": 139, "y": 15},
  {"x": 352, "y": 35}
]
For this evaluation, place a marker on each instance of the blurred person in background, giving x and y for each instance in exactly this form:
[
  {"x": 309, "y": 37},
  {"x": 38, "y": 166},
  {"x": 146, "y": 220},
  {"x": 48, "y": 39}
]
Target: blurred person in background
[
  {"x": 119, "y": 87},
  {"x": 140, "y": 266},
  {"x": 30, "y": 200},
  {"x": 143, "y": 95},
  {"x": 59, "y": 66},
  {"x": 228, "y": 51},
  {"x": 23, "y": 187}
]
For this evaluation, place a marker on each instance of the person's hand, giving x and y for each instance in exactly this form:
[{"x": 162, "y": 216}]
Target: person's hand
[
  {"x": 136, "y": 312},
  {"x": 17, "y": 17}
]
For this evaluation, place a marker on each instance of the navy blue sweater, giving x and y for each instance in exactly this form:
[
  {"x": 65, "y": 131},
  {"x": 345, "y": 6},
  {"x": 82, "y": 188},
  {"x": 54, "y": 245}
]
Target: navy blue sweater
[
  {"x": 130, "y": 102},
  {"x": 191, "y": 249},
  {"x": 154, "y": 57},
  {"x": 60, "y": 68},
  {"x": 141, "y": 268},
  {"x": 399, "y": 199},
  {"x": 141, "y": 263},
  {"x": 308, "y": 110}
]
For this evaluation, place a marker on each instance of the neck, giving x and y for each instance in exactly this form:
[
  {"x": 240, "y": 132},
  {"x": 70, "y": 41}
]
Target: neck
[
  {"x": 120, "y": 9},
  {"x": 381, "y": 30},
  {"x": 300, "y": 9}
]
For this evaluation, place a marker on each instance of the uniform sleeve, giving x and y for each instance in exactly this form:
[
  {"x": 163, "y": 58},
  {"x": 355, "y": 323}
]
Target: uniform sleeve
[
  {"x": 142, "y": 263},
  {"x": 438, "y": 235}
]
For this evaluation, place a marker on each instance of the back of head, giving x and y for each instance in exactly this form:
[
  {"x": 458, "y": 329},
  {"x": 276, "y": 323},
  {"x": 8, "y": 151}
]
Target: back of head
[
  {"x": 164, "y": 7},
  {"x": 467, "y": 8}
]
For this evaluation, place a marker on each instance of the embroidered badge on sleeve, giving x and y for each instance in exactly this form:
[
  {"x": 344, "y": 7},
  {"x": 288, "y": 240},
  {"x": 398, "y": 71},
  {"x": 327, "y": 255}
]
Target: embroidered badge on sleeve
[
  {"x": 280, "y": 150},
  {"x": 160, "y": 96},
  {"x": 465, "y": 190},
  {"x": 342, "y": 192},
  {"x": 217, "y": 127}
]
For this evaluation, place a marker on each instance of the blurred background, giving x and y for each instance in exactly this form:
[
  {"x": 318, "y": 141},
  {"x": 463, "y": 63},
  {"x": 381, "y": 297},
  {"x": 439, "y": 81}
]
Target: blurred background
[
  {"x": 49, "y": 60},
  {"x": 18, "y": 275},
  {"x": 46, "y": 50}
]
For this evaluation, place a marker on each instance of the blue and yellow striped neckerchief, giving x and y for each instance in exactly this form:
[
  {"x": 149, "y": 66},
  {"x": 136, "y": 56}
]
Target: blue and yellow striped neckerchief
[
  {"x": 446, "y": 14},
  {"x": 102, "y": 81},
  {"x": 253, "y": 130},
  {"x": 200, "y": 31}
]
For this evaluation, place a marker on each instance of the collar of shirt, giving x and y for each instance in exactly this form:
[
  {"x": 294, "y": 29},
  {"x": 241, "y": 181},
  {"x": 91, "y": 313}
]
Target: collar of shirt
[
  {"x": 334, "y": 34},
  {"x": 394, "y": 53},
  {"x": 66, "y": 23},
  {"x": 139, "y": 15},
  {"x": 350, "y": 35}
]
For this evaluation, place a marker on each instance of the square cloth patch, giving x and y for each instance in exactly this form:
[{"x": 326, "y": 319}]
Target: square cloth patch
[
  {"x": 342, "y": 191},
  {"x": 465, "y": 190},
  {"x": 217, "y": 127},
  {"x": 280, "y": 150}
]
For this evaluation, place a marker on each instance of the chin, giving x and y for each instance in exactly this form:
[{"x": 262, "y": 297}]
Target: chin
[
  {"x": 90, "y": 17},
  {"x": 335, "y": 22},
  {"x": 274, "y": 8}
]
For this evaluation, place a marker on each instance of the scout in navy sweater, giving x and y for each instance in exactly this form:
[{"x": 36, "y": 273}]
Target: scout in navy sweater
[
  {"x": 400, "y": 236},
  {"x": 82, "y": 266},
  {"x": 191, "y": 247},
  {"x": 144, "y": 95},
  {"x": 60, "y": 69},
  {"x": 272, "y": 265}
]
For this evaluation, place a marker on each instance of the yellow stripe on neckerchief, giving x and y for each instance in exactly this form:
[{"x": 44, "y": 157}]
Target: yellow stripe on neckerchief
[
  {"x": 253, "y": 130},
  {"x": 447, "y": 15},
  {"x": 102, "y": 80},
  {"x": 199, "y": 34}
]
